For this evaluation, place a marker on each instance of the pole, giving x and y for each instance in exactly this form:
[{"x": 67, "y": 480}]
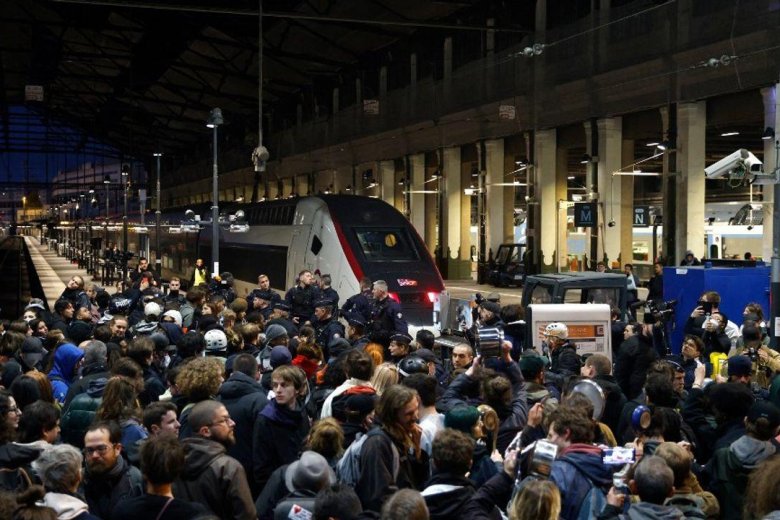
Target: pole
[
  {"x": 124, "y": 228},
  {"x": 215, "y": 212},
  {"x": 774, "y": 291},
  {"x": 158, "y": 214}
]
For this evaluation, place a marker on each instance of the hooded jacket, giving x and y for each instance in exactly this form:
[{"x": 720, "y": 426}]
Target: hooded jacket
[
  {"x": 636, "y": 356},
  {"x": 89, "y": 373},
  {"x": 214, "y": 479},
  {"x": 278, "y": 435},
  {"x": 62, "y": 374},
  {"x": 446, "y": 495},
  {"x": 574, "y": 483},
  {"x": 68, "y": 507},
  {"x": 244, "y": 399},
  {"x": 643, "y": 511}
]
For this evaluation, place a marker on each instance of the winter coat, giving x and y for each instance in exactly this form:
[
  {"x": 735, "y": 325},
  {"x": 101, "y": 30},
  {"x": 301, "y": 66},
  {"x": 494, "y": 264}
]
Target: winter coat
[
  {"x": 642, "y": 511},
  {"x": 81, "y": 413},
  {"x": 244, "y": 399},
  {"x": 482, "y": 466},
  {"x": 730, "y": 468},
  {"x": 636, "y": 356},
  {"x": 214, "y": 479},
  {"x": 278, "y": 436},
  {"x": 88, "y": 374},
  {"x": 572, "y": 482},
  {"x": 615, "y": 400},
  {"x": 63, "y": 372},
  {"x": 446, "y": 495},
  {"x": 377, "y": 482},
  {"x": 482, "y": 505},
  {"x": 104, "y": 492},
  {"x": 565, "y": 361},
  {"x": 68, "y": 507}
]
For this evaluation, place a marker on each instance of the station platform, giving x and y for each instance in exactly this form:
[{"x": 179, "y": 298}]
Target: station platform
[{"x": 54, "y": 271}]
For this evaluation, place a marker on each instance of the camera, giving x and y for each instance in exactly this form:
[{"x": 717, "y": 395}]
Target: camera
[
  {"x": 662, "y": 311},
  {"x": 488, "y": 341},
  {"x": 740, "y": 168},
  {"x": 752, "y": 353}
]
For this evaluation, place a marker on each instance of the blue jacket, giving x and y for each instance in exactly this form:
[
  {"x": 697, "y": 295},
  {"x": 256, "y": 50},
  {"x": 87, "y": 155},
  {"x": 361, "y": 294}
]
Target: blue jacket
[
  {"x": 63, "y": 372},
  {"x": 573, "y": 484}
]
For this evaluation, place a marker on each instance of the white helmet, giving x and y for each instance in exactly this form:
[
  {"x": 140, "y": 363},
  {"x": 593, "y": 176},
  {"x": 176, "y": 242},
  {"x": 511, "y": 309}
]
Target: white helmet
[
  {"x": 557, "y": 330},
  {"x": 215, "y": 340}
]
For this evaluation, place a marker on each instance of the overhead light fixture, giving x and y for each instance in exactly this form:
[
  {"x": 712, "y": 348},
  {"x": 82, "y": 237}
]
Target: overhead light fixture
[
  {"x": 637, "y": 173},
  {"x": 215, "y": 118},
  {"x": 666, "y": 144},
  {"x": 521, "y": 161},
  {"x": 654, "y": 143},
  {"x": 348, "y": 187},
  {"x": 471, "y": 190},
  {"x": 402, "y": 182},
  {"x": 729, "y": 134},
  {"x": 571, "y": 177},
  {"x": 769, "y": 133},
  {"x": 585, "y": 159}
]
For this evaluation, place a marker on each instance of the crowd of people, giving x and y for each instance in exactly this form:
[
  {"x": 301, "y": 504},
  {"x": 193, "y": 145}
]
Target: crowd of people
[{"x": 200, "y": 403}]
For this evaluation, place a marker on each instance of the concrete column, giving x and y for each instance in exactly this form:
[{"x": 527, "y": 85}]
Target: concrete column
[
  {"x": 447, "y": 58},
  {"x": 342, "y": 178},
  {"x": 359, "y": 94},
  {"x": 335, "y": 101},
  {"x": 494, "y": 166},
  {"x": 626, "y": 187},
  {"x": 417, "y": 200},
  {"x": 286, "y": 186},
  {"x": 691, "y": 133},
  {"x": 771, "y": 119},
  {"x": 413, "y": 69},
  {"x": 302, "y": 184},
  {"x": 609, "y": 188},
  {"x": 540, "y": 23},
  {"x": 545, "y": 145},
  {"x": 562, "y": 208},
  {"x": 451, "y": 200},
  {"x": 386, "y": 178},
  {"x": 382, "y": 81}
]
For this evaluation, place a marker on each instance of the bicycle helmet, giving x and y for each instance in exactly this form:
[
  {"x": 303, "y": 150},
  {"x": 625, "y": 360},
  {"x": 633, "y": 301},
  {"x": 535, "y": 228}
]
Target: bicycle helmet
[
  {"x": 412, "y": 365},
  {"x": 557, "y": 330},
  {"x": 215, "y": 340}
]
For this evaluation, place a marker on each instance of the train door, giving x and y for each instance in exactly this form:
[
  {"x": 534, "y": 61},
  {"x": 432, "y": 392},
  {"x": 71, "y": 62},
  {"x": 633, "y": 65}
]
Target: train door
[
  {"x": 316, "y": 250},
  {"x": 296, "y": 254}
]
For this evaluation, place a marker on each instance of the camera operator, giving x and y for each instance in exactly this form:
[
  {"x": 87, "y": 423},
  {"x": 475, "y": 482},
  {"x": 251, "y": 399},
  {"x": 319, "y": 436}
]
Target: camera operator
[
  {"x": 708, "y": 304},
  {"x": 765, "y": 361}
]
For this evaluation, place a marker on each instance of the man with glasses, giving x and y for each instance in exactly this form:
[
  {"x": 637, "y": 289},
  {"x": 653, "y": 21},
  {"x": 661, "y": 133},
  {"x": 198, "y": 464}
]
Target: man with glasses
[
  {"x": 211, "y": 477},
  {"x": 109, "y": 478}
]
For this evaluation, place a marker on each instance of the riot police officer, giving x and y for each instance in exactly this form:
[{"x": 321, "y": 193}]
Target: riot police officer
[
  {"x": 326, "y": 327},
  {"x": 360, "y": 302},
  {"x": 301, "y": 298},
  {"x": 386, "y": 313}
]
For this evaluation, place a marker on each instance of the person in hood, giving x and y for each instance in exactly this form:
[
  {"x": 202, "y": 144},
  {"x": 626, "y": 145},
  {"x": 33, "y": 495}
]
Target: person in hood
[
  {"x": 59, "y": 468},
  {"x": 67, "y": 361},
  {"x": 730, "y": 468},
  {"x": 578, "y": 466},
  {"x": 109, "y": 479},
  {"x": 654, "y": 483},
  {"x": 690, "y": 259},
  {"x": 274, "y": 335},
  {"x": 210, "y": 476},
  {"x": 281, "y": 426},
  {"x": 244, "y": 398}
]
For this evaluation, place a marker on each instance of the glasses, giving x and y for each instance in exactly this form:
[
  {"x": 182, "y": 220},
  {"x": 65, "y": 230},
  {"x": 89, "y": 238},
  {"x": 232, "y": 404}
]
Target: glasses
[
  {"x": 101, "y": 450},
  {"x": 14, "y": 409},
  {"x": 224, "y": 420}
]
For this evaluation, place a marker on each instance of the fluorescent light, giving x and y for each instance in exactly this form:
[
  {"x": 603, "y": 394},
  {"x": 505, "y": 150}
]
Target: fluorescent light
[
  {"x": 638, "y": 174},
  {"x": 652, "y": 144},
  {"x": 571, "y": 177},
  {"x": 729, "y": 134}
]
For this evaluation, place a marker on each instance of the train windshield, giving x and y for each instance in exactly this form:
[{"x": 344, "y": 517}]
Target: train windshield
[{"x": 385, "y": 244}]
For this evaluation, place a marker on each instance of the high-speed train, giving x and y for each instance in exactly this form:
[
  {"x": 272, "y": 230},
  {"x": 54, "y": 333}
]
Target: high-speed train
[{"x": 346, "y": 236}]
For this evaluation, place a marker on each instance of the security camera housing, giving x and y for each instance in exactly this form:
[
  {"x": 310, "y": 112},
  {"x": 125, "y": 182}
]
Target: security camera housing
[{"x": 741, "y": 167}]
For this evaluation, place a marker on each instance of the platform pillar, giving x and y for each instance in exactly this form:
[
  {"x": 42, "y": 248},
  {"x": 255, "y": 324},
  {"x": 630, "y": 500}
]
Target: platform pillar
[
  {"x": 609, "y": 187},
  {"x": 417, "y": 200},
  {"x": 691, "y": 127},
  {"x": 387, "y": 183},
  {"x": 771, "y": 120},
  {"x": 495, "y": 181},
  {"x": 545, "y": 153}
]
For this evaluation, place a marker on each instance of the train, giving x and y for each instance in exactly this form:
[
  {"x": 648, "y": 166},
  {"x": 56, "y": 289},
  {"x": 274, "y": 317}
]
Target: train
[{"x": 348, "y": 237}]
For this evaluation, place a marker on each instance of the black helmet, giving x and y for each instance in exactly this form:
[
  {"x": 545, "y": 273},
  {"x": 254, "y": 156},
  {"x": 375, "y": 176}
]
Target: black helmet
[{"x": 412, "y": 365}]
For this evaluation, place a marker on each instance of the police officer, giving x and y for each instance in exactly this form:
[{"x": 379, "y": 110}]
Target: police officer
[
  {"x": 264, "y": 289},
  {"x": 399, "y": 346},
  {"x": 301, "y": 298},
  {"x": 386, "y": 313},
  {"x": 281, "y": 316},
  {"x": 326, "y": 327},
  {"x": 360, "y": 302},
  {"x": 263, "y": 302},
  {"x": 328, "y": 292},
  {"x": 356, "y": 330}
]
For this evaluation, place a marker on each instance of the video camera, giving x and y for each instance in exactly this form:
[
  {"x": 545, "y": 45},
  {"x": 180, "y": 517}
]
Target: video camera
[{"x": 662, "y": 311}]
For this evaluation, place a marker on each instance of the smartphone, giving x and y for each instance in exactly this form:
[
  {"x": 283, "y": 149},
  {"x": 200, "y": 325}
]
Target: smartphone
[
  {"x": 707, "y": 306},
  {"x": 618, "y": 456}
]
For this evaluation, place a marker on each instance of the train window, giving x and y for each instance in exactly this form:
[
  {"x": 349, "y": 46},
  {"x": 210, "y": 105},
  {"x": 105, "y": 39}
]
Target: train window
[
  {"x": 316, "y": 245},
  {"x": 385, "y": 245}
]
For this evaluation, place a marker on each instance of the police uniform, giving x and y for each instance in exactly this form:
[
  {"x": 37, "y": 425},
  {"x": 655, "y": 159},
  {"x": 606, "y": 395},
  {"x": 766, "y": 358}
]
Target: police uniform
[
  {"x": 330, "y": 294},
  {"x": 272, "y": 297},
  {"x": 356, "y": 320},
  {"x": 359, "y": 303},
  {"x": 328, "y": 329},
  {"x": 386, "y": 316},
  {"x": 301, "y": 301}
]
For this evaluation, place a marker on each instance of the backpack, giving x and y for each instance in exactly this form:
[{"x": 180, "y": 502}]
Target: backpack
[
  {"x": 689, "y": 505},
  {"x": 595, "y": 499},
  {"x": 348, "y": 468}
]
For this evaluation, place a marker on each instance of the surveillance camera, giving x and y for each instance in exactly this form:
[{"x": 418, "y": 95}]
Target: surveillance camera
[
  {"x": 739, "y": 165},
  {"x": 611, "y": 223}
]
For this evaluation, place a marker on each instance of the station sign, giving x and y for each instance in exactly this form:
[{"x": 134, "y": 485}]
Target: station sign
[
  {"x": 641, "y": 216},
  {"x": 585, "y": 214}
]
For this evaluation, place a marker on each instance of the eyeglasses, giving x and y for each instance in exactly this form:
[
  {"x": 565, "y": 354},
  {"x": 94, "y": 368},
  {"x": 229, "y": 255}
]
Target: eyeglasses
[
  {"x": 224, "y": 420},
  {"x": 101, "y": 450},
  {"x": 14, "y": 409}
]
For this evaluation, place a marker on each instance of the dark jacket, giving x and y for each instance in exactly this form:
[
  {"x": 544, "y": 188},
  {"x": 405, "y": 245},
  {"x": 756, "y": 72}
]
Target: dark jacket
[
  {"x": 565, "y": 361},
  {"x": 244, "y": 399},
  {"x": 301, "y": 301},
  {"x": 277, "y": 438},
  {"x": 614, "y": 403},
  {"x": 636, "y": 356},
  {"x": 711, "y": 436},
  {"x": 482, "y": 466},
  {"x": 88, "y": 374},
  {"x": 642, "y": 511},
  {"x": 214, "y": 479},
  {"x": 446, "y": 495},
  {"x": 574, "y": 483},
  {"x": 104, "y": 492},
  {"x": 482, "y": 505},
  {"x": 81, "y": 413},
  {"x": 377, "y": 482}
]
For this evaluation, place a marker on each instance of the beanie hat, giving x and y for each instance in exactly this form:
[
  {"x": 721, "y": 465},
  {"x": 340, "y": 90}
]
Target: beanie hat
[
  {"x": 531, "y": 365},
  {"x": 280, "y": 355},
  {"x": 740, "y": 366},
  {"x": 766, "y": 410},
  {"x": 274, "y": 331},
  {"x": 153, "y": 309},
  {"x": 176, "y": 315},
  {"x": 462, "y": 418}
]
